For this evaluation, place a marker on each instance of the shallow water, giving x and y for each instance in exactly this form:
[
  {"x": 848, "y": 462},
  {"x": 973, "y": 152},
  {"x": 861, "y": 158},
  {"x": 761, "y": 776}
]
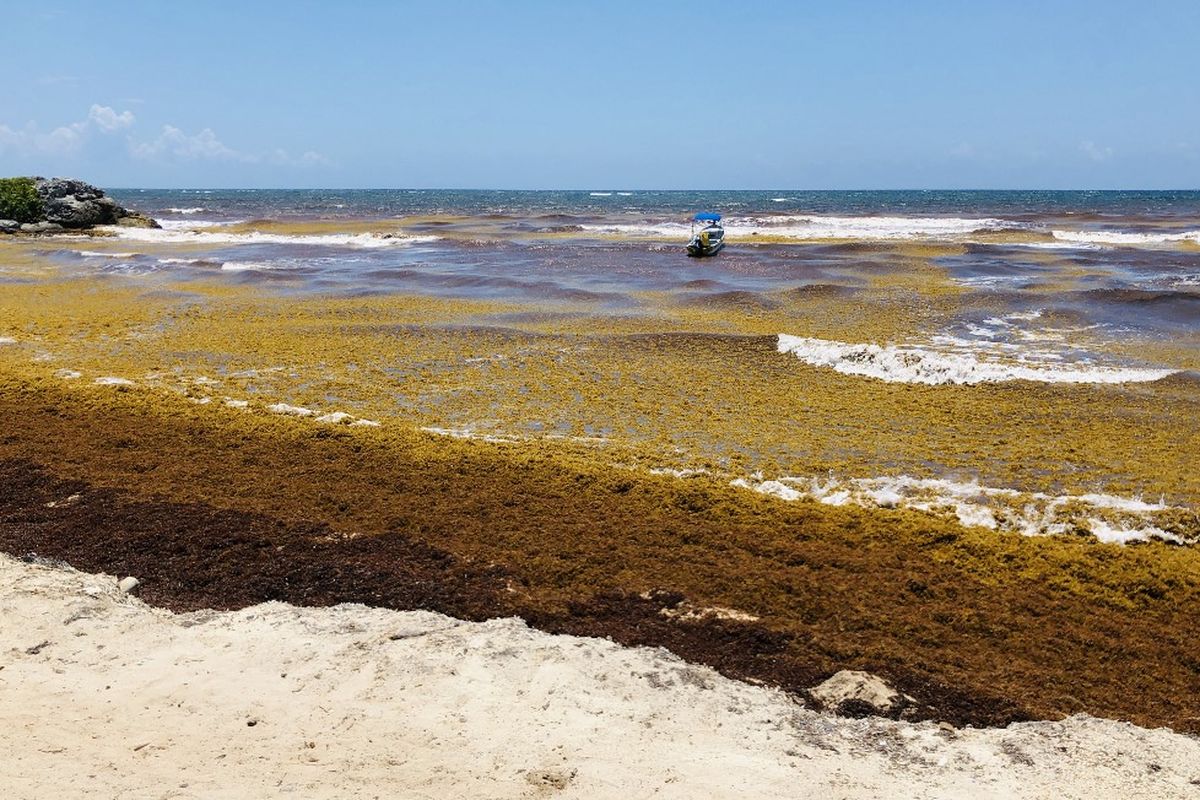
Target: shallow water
[{"x": 1125, "y": 266}]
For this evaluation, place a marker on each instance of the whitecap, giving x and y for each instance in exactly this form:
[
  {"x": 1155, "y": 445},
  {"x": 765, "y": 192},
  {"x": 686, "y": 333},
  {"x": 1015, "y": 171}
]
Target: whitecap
[
  {"x": 177, "y": 261},
  {"x": 925, "y": 365},
  {"x": 1063, "y": 245},
  {"x": 1128, "y": 238},
  {"x": 102, "y": 254},
  {"x": 811, "y": 227},
  {"x": 218, "y": 237},
  {"x": 191, "y": 210},
  {"x": 249, "y": 266}
]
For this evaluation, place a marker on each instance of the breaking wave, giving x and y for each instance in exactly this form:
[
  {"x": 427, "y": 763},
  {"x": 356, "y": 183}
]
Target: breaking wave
[
  {"x": 249, "y": 266},
  {"x": 102, "y": 254},
  {"x": 919, "y": 364},
  {"x": 219, "y": 237},
  {"x": 195, "y": 262},
  {"x": 1126, "y": 238},
  {"x": 825, "y": 228}
]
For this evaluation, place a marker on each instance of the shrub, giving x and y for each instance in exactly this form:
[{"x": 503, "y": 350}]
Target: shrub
[{"x": 19, "y": 200}]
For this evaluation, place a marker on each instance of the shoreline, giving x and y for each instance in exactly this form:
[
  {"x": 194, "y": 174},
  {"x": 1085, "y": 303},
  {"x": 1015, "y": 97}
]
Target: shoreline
[{"x": 349, "y": 701}]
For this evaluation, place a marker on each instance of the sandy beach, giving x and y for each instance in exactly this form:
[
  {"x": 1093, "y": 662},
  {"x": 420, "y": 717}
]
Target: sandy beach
[{"x": 105, "y": 696}]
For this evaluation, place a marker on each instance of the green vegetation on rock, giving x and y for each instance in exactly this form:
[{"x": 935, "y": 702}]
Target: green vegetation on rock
[{"x": 19, "y": 200}]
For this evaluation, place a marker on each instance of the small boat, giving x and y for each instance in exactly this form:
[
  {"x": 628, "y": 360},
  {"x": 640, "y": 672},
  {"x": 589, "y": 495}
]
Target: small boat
[{"x": 710, "y": 239}]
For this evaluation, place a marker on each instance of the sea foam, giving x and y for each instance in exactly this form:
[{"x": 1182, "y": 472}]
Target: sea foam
[
  {"x": 824, "y": 228},
  {"x": 219, "y": 237},
  {"x": 1126, "y": 238},
  {"x": 918, "y": 364},
  {"x": 1109, "y": 518},
  {"x": 248, "y": 266},
  {"x": 102, "y": 254}
]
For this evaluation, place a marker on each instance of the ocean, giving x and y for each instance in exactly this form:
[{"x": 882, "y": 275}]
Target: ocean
[
  {"x": 1125, "y": 263},
  {"x": 1060, "y": 332}
]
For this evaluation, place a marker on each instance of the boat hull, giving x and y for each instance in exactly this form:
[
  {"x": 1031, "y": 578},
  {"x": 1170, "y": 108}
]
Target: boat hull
[{"x": 698, "y": 250}]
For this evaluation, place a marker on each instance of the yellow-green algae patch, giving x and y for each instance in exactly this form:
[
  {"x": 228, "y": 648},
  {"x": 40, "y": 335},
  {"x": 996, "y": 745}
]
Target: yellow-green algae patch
[{"x": 681, "y": 387}]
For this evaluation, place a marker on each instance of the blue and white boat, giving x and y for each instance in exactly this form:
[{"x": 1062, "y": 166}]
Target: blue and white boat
[{"x": 710, "y": 239}]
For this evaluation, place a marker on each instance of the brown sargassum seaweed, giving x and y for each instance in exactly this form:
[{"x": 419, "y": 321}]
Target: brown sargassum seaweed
[{"x": 215, "y": 508}]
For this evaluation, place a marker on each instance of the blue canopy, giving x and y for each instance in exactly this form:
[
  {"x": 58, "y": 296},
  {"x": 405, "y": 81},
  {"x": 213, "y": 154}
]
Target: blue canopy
[{"x": 707, "y": 216}]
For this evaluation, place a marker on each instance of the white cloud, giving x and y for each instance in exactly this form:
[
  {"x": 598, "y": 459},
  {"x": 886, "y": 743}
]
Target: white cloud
[
  {"x": 174, "y": 143},
  {"x": 65, "y": 139},
  {"x": 109, "y": 120},
  {"x": 309, "y": 158},
  {"x": 170, "y": 145},
  {"x": 1095, "y": 152}
]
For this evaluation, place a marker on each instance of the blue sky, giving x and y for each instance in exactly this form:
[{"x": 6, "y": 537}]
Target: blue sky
[{"x": 604, "y": 95}]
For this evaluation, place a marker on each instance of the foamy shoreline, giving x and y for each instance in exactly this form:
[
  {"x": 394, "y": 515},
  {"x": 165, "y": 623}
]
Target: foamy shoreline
[{"x": 105, "y": 696}]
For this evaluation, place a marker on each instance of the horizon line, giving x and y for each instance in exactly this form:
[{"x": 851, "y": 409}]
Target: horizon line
[{"x": 643, "y": 189}]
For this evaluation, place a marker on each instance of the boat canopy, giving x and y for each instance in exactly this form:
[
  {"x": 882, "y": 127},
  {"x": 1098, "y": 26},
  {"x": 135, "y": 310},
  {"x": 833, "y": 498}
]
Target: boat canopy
[{"x": 707, "y": 216}]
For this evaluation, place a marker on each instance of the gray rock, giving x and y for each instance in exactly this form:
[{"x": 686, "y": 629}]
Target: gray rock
[
  {"x": 41, "y": 227},
  {"x": 9, "y": 226},
  {"x": 127, "y": 585},
  {"x": 73, "y": 212},
  {"x": 75, "y": 204},
  {"x": 57, "y": 188}
]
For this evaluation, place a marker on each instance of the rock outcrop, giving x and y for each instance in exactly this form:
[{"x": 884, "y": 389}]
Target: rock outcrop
[{"x": 74, "y": 205}]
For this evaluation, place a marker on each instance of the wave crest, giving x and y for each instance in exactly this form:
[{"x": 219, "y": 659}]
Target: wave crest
[
  {"x": 915, "y": 364},
  {"x": 219, "y": 237},
  {"x": 1127, "y": 238},
  {"x": 812, "y": 227}
]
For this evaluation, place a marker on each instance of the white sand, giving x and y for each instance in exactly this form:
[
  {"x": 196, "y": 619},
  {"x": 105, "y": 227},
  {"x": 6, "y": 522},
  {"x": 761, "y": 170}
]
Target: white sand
[{"x": 102, "y": 696}]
